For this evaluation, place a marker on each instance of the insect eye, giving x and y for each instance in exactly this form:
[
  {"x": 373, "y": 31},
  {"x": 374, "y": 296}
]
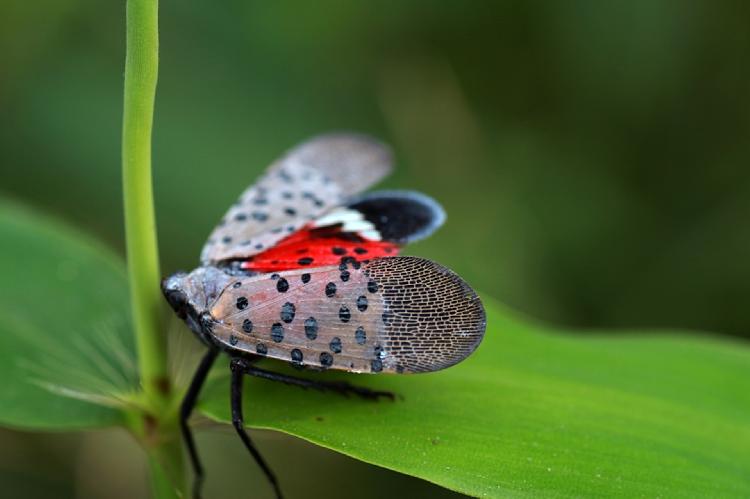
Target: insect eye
[{"x": 177, "y": 299}]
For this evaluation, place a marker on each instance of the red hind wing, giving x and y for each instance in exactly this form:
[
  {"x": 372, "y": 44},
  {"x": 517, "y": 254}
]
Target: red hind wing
[{"x": 318, "y": 247}]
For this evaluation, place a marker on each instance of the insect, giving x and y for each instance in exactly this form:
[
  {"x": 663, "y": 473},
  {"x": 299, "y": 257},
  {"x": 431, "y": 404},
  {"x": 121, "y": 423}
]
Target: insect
[{"x": 303, "y": 269}]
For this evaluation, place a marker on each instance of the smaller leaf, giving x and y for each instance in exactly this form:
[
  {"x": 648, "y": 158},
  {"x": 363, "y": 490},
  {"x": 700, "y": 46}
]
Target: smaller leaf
[{"x": 66, "y": 352}]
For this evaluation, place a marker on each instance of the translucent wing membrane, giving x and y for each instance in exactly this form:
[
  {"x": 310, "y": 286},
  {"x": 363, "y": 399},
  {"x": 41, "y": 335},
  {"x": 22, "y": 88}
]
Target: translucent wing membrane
[
  {"x": 432, "y": 318},
  {"x": 304, "y": 184},
  {"x": 399, "y": 314}
]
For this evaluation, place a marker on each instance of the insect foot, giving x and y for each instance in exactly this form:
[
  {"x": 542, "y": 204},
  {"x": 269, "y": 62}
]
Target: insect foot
[{"x": 346, "y": 389}]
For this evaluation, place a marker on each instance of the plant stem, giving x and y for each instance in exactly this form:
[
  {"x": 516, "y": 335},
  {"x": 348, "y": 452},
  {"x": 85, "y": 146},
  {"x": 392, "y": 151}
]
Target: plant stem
[
  {"x": 141, "y": 65},
  {"x": 157, "y": 430}
]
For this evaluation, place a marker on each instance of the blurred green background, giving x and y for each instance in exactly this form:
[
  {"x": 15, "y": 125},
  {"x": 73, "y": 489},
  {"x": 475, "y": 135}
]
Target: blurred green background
[{"x": 592, "y": 158}]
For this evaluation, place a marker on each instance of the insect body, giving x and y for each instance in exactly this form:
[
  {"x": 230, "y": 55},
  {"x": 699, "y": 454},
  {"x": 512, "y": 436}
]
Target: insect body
[{"x": 301, "y": 270}]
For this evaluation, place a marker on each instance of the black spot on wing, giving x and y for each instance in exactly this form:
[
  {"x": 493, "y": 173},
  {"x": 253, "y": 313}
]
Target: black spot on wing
[
  {"x": 362, "y": 303},
  {"x": 360, "y": 335},
  {"x": 287, "y": 312},
  {"x": 326, "y": 359},
  {"x": 296, "y": 356},
  {"x": 335, "y": 345},
  {"x": 311, "y": 328},
  {"x": 277, "y": 332},
  {"x": 345, "y": 314}
]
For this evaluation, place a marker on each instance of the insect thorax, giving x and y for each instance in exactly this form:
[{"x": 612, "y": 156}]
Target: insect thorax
[{"x": 191, "y": 295}]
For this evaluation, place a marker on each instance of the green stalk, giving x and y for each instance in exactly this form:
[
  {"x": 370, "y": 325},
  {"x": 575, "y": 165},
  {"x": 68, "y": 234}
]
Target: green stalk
[{"x": 157, "y": 427}]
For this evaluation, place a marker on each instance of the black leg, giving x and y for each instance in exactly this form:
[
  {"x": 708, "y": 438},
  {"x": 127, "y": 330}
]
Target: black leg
[
  {"x": 188, "y": 403},
  {"x": 238, "y": 367},
  {"x": 340, "y": 387}
]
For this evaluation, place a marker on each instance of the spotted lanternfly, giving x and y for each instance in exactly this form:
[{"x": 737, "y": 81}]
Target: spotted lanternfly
[{"x": 303, "y": 269}]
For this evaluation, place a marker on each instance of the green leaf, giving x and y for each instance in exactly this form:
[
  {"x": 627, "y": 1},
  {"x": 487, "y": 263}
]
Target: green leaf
[
  {"x": 65, "y": 344},
  {"x": 542, "y": 413}
]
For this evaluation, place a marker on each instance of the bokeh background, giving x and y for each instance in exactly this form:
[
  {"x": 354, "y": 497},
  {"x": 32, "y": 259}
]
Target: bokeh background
[{"x": 592, "y": 158}]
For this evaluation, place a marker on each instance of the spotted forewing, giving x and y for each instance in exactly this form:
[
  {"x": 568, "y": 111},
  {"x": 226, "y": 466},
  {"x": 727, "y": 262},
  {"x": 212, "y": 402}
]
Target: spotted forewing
[
  {"x": 305, "y": 183},
  {"x": 399, "y": 314}
]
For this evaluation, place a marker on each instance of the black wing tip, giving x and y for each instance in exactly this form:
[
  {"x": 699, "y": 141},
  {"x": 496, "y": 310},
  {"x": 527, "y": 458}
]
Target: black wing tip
[{"x": 412, "y": 215}]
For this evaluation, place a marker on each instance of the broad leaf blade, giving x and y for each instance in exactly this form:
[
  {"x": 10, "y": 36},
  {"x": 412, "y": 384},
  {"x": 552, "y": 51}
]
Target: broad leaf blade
[
  {"x": 65, "y": 346},
  {"x": 542, "y": 413}
]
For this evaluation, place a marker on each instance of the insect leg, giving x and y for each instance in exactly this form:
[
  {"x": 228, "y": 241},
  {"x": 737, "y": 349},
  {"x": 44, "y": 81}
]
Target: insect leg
[
  {"x": 340, "y": 387},
  {"x": 238, "y": 367},
  {"x": 188, "y": 404}
]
